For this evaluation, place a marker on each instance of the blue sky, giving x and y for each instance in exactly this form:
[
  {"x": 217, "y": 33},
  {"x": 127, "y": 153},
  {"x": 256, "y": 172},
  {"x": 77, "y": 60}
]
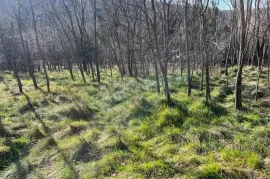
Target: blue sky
[{"x": 222, "y": 5}]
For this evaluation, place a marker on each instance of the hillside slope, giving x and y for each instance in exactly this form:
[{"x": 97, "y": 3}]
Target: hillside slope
[{"x": 123, "y": 129}]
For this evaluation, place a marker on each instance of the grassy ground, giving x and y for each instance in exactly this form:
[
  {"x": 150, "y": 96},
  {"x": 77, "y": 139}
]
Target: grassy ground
[{"x": 123, "y": 129}]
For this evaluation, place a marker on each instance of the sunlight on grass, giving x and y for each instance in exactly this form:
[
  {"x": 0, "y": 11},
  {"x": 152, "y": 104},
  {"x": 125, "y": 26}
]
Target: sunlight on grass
[{"x": 124, "y": 129}]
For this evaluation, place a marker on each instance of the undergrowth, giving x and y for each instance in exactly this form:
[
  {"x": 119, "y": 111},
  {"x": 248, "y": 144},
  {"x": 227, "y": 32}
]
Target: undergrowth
[{"x": 124, "y": 129}]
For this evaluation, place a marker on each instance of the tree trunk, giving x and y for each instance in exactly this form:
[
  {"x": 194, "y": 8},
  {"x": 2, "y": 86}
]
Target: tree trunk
[
  {"x": 207, "y": 79},
  {"x": 242, "y": 52},
  {"x": 187, "y": 49},
  {"x": 26, "y": 54},
  {"x": 152, "y": 47},
  {"x": 39, "y": 47},
  {"x": 96, "y": 42},
  {"x": 13, "y": 65},
  {"x": 162, "y": 63}
]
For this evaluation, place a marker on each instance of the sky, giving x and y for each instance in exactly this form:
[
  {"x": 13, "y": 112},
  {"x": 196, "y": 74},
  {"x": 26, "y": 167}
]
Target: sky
[{"x": 223, "y": 6}]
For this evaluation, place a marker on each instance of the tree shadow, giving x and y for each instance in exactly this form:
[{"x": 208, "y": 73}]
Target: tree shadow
[
  {"x": 142, "y": 110},
  {"x": 196, "y": 83},
  {"x": 80, "y": 85},
  {"x": 11, "y": 92},
  {"x": 67, "y": 161},
  {"x": 173, "y": 103},
  {"x": 86, "y": 152},
  {"x": 42, "y": 91},
  {"x": 37, "y": 116},
  {"x": 79, "y": 113},
  {"x": 21, "y": 171},
  {"x": 216, "y": 109},
  {"x": 224, "y": 91},
  {"x": 6, "y": 133},
  {"x": 3, "y": 131}
]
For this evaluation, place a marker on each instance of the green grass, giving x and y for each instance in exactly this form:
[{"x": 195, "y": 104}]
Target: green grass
[{"x": 124, "y": 129}]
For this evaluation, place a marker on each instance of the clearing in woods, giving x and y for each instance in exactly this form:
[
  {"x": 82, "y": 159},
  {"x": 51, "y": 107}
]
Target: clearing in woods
[{"x": 125, "y": 129}]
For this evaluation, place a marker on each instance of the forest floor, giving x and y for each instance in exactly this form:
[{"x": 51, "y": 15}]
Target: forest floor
[{"x": 124, "y": 129}]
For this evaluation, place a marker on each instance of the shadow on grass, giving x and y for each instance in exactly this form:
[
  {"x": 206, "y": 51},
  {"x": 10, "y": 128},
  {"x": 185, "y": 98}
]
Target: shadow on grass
[
  {"x": 216, "y": 109},
  {"x": 21, "y": 171},
  {"x": 143, "y": 110},
  {"x": 68, "y": 162},
  {"x": 79, "y": 113},
  {"x": 3, "y": 131},
  {"x": 42, "y": 91},
  {"x": 177, "y": 104},
  {"x": 37, "y": 116},
  {"x": 86, "y": 152},
  {"x": 196, "y": 82}
]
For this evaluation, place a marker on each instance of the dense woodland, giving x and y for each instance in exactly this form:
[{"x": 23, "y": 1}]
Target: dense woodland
[{"x": 183, "y": 72}]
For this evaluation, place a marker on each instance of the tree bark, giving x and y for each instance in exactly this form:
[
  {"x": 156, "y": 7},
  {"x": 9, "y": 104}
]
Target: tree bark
[
  {"x": 187, "y": 49},
  {"x": 151, "y": 46},
  {"x": 238, "y": 84},
  {"x": 39, "y": 47},
  {"x": 162, "y": 63}
]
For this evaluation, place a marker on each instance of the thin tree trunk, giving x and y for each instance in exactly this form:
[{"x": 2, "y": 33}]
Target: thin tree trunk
[
  {"x": 207, "y": 78},
  {"x": 26, "y": 53},
  {"x": 30, "y": 65},
  {"x": 162, "y": 63},
  {"x": 39, "y": 47},
  {"x": 96, "y": 42},
  {"x": 152, "y": 47},
  {"x": 202, "y": 76},
  {"x": 13, "y": 66},
  {"x": 187, "y": 49}
]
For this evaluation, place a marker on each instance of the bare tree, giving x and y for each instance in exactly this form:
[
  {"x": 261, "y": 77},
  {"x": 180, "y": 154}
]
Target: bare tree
[
  {"x": 26, "y": 55},
  {"x": 162, "y": 62},
  {"x": 244, "y": 21},
  {"x": 39, "y": 47},
  {"x": 10, "y": 54}
]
